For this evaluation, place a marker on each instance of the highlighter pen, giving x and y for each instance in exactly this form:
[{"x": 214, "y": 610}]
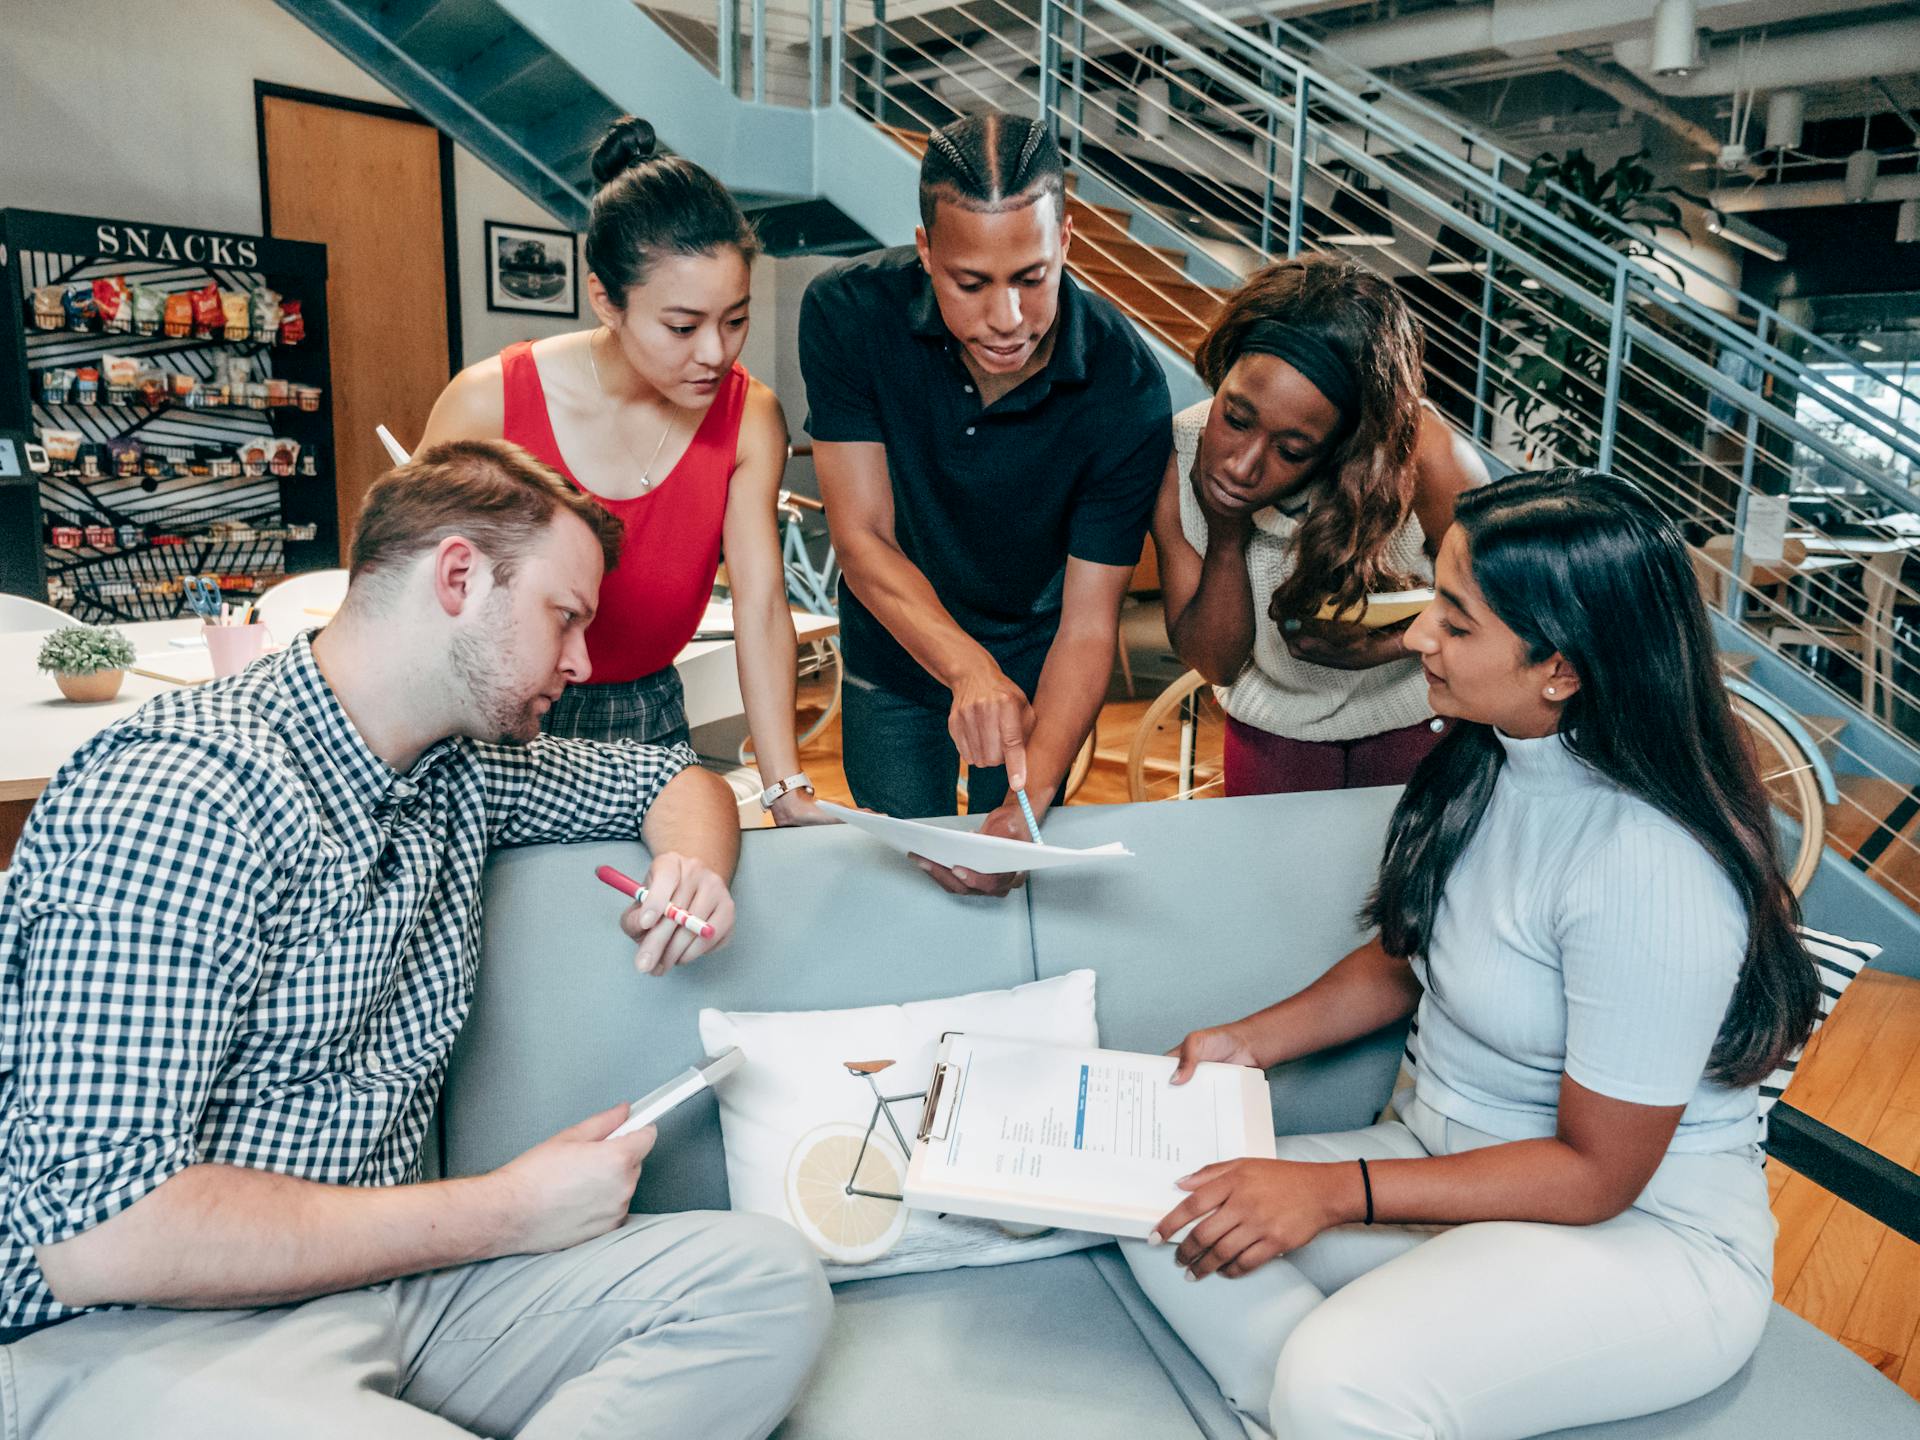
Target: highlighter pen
[
  {"x": 1026, "y": 809},
  {"x": 626, "y": 885}
]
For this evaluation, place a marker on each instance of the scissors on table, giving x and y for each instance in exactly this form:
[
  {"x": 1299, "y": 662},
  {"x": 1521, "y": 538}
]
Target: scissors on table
[{"x": 204, "y": 596}]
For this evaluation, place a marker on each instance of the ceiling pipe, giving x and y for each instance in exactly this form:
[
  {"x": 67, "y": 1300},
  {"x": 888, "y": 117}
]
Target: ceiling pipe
[
  {"x": 1802, "y": 194},
  {"x": 1858, "y": 52},
  {"x": 1544, "y": 27}
]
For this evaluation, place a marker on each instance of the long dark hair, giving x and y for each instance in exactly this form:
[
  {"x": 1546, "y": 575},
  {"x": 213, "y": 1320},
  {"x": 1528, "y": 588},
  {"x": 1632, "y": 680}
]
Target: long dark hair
[
  {"x": 1583, "y": 564},
  {"x": 1340, "y": 547},
  {"x": 650, "y": 205}
]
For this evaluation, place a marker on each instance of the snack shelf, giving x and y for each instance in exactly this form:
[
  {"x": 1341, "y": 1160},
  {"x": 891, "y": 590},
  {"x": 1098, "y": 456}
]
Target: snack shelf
[{"x": 250, "y": 517}]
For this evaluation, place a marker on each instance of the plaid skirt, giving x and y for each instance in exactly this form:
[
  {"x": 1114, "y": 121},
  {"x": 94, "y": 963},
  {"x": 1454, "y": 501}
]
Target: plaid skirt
[{"x": 651, "y": 709}]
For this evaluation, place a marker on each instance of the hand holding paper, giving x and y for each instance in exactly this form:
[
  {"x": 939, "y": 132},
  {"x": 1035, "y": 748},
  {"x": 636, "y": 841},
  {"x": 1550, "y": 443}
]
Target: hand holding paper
[{"x": 969, "y": 849}]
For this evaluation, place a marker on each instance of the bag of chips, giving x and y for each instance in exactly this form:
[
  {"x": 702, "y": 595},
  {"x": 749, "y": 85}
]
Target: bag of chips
[
  {"x": 126, "y": 456},
  {"x": 148, "y": 306},
  {"x": 114, "y": 306},
  {"x": 77, "y": 300},
  {"x": 49, "y": 313},
  {"x": 293, "y": 325},
  {"x": 266, "y": 313},
  {"x": 177, "y": 316},
  {"x": 236, "y": 310},
  {"x": 121, "y": 372},
  {"x": 86, "y": 385},
  {"x": 283, "y": 455},
  {"x": 208, "y": 317},
  {"x": 62, "y": 444}
]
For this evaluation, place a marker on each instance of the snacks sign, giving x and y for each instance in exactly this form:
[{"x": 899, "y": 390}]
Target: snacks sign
[{"x": 120, "y": 241}]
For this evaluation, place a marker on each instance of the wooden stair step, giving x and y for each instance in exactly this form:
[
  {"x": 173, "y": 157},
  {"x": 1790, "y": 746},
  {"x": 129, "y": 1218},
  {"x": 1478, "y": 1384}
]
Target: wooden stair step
[
  {"x": 1180, "y": 310},
  {"x": 1737, "y": 663},
  {"x": 1099, "y": 220},
  {"x": 1115, "y": 256}
]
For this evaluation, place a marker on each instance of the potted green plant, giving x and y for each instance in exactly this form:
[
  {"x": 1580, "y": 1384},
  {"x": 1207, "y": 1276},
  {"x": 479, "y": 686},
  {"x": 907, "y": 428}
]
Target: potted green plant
[{"x": 88, "y": 662}]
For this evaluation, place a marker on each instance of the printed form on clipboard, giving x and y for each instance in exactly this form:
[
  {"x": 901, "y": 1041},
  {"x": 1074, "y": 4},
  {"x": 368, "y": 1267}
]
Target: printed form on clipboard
[{"x": 1089, "y": 1139}]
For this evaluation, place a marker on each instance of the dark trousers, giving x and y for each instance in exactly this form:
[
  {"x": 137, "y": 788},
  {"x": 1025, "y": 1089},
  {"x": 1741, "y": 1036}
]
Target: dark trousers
[
  {"x": 901, "y": 761},
  {"x": 1261, "y": 763}
]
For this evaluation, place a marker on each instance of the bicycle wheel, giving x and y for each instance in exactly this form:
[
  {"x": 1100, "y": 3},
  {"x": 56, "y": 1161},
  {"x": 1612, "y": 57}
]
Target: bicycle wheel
[
  {"x": 1077, "y": 772},
  {"x": 1178, "y": 753},
  {"x": 1787, "y": 772},
  {"x": 816, "y": 699}
]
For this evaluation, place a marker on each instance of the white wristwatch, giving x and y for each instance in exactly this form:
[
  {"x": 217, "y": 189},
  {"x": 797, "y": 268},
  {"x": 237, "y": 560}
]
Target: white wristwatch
[{"x": 785, "y": 787}]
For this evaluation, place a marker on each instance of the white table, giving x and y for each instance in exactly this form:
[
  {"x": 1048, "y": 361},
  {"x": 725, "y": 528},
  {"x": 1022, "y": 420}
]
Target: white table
[{"x": 39, "y": 728}]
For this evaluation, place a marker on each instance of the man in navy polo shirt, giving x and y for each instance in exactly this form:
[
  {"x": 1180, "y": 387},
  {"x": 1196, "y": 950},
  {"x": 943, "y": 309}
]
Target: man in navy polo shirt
[{"x": 989, "y": 439}]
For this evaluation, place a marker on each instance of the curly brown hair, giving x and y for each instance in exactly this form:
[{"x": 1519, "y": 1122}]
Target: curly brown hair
[{"x": 1340, "y": 547}]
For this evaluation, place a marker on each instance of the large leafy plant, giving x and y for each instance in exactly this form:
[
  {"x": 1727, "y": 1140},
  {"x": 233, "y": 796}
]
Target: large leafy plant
[{"x": 1557, "y": 346}]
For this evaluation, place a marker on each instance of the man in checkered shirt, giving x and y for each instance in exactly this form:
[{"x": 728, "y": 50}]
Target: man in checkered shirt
[{"x": 237, "y": 946}]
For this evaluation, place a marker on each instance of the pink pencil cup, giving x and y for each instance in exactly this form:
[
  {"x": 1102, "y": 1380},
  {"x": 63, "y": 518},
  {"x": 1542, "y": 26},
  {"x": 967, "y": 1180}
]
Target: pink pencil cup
[{"x": 234, "y": 647}]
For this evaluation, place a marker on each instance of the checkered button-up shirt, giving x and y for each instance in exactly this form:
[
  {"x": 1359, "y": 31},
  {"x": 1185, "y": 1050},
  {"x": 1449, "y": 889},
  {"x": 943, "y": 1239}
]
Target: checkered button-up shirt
[{"x": 233, "y": 935}]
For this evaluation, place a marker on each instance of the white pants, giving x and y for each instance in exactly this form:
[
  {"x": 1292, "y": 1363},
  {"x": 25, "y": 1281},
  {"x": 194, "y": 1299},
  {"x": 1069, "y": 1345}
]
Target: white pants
[
  {"x": 1485, "y": 1330},
  {"x": 670, "y": 1326}
]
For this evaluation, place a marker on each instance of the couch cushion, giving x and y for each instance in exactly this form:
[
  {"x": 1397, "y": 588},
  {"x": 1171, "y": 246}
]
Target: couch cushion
[
  {"x": 1044, "y": 1348},
  {"x": 563, "y": 1026},
  {"x": 1798, "y": 1384},
  {"x": 1232, "y": 905}
]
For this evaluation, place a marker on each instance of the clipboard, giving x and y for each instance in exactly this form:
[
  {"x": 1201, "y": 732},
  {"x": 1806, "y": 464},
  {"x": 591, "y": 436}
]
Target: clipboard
[{"x": 1075, "y": 1137}]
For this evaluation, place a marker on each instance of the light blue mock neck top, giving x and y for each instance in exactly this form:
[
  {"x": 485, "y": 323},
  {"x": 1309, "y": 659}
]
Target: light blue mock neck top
[{"x": 1585, "y": 933}]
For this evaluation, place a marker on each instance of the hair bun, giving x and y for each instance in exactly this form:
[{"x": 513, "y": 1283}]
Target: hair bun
[{"x": 628, "y": 142}]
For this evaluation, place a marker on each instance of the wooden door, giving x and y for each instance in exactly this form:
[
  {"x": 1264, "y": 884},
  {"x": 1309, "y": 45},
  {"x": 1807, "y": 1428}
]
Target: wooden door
[{"x": 370, "y": 184}]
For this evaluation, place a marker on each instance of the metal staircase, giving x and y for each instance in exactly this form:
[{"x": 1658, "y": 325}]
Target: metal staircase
[{"x": 1201, "y": 146}]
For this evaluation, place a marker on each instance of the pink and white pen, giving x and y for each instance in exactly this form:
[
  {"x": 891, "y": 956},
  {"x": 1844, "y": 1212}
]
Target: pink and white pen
[{"x": 627, "y": 885}]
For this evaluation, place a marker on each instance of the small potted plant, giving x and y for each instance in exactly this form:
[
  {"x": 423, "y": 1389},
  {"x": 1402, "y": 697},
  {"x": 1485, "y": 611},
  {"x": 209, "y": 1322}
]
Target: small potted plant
[{"x": 88, "y": 662}]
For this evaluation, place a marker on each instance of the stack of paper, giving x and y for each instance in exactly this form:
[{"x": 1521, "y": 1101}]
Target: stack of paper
[{"x": 1091, "y": 1139}]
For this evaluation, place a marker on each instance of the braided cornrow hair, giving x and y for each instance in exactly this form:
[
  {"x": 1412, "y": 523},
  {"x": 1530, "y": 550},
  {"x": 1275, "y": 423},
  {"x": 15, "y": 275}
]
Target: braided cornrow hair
[{"x": 991, "y": 162}]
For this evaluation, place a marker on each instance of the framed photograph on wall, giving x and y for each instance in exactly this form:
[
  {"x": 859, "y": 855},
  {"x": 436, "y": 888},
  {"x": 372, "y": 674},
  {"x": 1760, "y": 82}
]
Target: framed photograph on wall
[{"x": 532, "y": 270}]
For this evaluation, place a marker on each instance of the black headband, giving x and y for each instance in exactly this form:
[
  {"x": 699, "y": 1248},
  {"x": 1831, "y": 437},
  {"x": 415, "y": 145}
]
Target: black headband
[{"x": 1330, "y": 372}]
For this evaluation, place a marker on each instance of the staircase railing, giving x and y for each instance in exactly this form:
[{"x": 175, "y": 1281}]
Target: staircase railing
[{"x": 1545, "y": 341}]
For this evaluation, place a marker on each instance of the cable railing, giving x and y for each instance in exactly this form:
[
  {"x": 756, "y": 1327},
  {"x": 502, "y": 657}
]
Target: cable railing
[{"x": 1546, "y": 343}]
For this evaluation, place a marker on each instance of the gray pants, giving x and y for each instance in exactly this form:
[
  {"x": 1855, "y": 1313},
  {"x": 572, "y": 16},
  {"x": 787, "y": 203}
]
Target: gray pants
[{"x": 672, "y": 1325}]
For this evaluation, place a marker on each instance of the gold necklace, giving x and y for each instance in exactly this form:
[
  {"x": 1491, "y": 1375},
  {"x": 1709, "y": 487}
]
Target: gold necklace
[{"x": 646, "y": 473}]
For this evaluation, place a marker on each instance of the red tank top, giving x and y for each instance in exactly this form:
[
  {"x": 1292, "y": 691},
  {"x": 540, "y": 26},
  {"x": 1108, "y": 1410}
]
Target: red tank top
[{"x": 651, "y": 603}]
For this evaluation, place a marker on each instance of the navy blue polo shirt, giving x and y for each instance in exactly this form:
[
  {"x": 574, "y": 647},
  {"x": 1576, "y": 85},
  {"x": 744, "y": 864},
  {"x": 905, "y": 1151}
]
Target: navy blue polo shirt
[{"x": 988, "y": 503}]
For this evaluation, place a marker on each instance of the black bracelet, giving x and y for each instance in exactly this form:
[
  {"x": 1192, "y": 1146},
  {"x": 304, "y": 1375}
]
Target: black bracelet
[{"x": 1367, "y": 1181}]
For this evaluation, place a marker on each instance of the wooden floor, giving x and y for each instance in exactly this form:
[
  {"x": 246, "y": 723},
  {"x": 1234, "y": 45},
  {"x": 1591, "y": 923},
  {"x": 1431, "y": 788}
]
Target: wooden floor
[{"x": 1842, "y": 1271}]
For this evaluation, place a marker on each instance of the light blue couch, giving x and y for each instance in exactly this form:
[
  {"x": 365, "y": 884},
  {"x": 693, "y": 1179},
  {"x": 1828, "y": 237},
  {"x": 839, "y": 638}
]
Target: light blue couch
[{"x": 1067, "y": 1347}]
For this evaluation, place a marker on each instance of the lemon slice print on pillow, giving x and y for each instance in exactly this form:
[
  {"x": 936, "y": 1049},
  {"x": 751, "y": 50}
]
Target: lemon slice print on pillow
[{"x": 846, "y": 1228}]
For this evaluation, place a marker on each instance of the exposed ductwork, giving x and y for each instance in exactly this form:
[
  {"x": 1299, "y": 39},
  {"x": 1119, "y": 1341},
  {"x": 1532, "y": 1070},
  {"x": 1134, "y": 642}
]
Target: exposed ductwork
[
  {"x": 1522, "y": 28},
  {"x": 1857, "y": 52},
  {"x": 1800, "y": 194}
]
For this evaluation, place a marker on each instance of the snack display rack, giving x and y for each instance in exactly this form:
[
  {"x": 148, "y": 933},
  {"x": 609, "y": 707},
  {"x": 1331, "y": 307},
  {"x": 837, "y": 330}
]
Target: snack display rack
[{"x": 212, "y": 451}]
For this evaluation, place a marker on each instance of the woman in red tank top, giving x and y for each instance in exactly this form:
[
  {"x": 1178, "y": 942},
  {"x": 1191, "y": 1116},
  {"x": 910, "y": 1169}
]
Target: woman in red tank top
[{"x": 652, "y": 415}]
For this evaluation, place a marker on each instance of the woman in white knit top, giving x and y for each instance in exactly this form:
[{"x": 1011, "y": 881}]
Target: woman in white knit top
[
  {"x": 1316, "y": 472},
  {"x": 1580, "y": 899}
]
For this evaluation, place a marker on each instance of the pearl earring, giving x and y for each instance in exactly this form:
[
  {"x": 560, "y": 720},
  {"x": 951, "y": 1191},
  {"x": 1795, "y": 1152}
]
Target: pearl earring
[{"x": 1550, "y": 690}]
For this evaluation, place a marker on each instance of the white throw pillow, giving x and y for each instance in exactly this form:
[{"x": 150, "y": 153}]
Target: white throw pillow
[{"x": 794, "y": 1097}]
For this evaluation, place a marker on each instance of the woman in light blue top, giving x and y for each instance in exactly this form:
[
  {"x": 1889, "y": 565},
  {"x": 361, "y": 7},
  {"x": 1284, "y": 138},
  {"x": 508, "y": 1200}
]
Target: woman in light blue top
[{"x": 1581, "y": 904}]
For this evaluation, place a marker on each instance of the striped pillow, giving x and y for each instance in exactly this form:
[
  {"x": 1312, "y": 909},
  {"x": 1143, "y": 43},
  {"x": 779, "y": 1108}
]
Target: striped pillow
[{"x": 1837, "y": 961}]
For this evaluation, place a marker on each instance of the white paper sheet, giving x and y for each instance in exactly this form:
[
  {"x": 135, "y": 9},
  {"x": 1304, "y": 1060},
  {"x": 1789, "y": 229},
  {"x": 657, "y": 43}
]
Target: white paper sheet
[
  {"x": 983, "y": 854},
  {"x": 1090, "y": 1138}
]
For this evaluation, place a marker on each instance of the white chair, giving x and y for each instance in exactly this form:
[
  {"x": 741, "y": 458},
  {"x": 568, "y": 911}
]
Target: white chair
[
  {"x": 18, "y": 613},
  {"x": 1871, "y": 639},
  {"x": 288, "y": 607}
]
